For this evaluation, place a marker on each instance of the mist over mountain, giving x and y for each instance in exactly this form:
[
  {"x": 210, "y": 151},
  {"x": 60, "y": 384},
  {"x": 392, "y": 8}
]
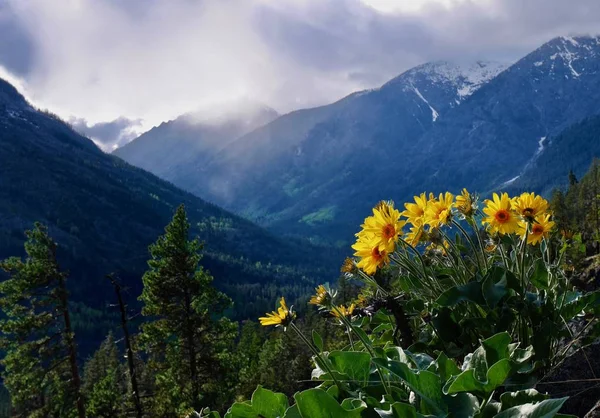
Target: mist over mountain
[
  {"x": 440, "y": 125},
  {"x": 104, "y": 213}
]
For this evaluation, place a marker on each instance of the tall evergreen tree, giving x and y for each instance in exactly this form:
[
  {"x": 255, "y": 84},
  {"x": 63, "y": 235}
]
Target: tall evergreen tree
[
  {"x": 40, "y": 359},
  {"x": 183, "y": 337},
  {"x": 104, "y": 383}
]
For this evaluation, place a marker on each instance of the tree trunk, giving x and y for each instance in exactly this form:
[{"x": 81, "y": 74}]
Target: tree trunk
[
  {"x": 70, "y": 341},
  {"x": 130, "y": 363},
  {"x": 192, "y": 352}
]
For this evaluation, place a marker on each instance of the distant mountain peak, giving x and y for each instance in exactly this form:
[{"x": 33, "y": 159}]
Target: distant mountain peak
[
  {"x": 568, "y": 56},
  {"x": 461, "y": 80}
]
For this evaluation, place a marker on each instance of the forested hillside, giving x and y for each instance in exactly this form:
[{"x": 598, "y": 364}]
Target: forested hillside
[{"x": 104, "y": 213}]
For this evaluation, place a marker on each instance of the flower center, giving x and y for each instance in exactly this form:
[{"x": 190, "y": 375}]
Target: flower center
[
  {"x": 502, "y": 216},
  {"x": 377, "y": 255},
  {"x": 528, "y": 212},
  {"x": 388, "y": 231},
  {"x": 537, "y": 229}
]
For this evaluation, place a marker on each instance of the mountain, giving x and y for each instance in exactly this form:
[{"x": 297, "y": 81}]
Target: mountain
[
  {"x": 439, "y": 126},
  {"x": 495, "y": 135},
  {"x": 415, "y": 133},
  {"x": 291, "y": 171},
  {"x": 104, "y": 213},
  {"x": 575, "y": 148},
  {"x": 177, "y": 150}
]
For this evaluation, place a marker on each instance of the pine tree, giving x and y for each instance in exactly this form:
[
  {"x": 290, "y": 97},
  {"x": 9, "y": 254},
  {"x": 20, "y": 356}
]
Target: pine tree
[
  {"x": 104, "y": 385},
  {"x": 40, "y": 358},
  {"x": 184, "y": 340}
]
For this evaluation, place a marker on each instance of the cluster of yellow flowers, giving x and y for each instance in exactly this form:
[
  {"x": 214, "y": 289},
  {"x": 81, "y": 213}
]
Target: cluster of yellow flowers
[{"x": 526, "y": 215}]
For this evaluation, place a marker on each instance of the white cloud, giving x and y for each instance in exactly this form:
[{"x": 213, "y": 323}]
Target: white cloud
[{"x": 156, "y": 59}]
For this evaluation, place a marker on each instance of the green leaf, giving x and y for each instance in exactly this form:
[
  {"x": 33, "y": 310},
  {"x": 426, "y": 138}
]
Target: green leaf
[
  {"x": 362, "y": 336},
  {"x": 497, "y": 374},
  {"x": 354, "y": 364},
  {"x": 317, "y": 340},
  {"x": 545, "y": 409},
  {"x": 468, "y": 292},
  {"x": 446, "y": 367},
  {"x": 241, "y": 410},
  {"x": 398, "y": 410},
  {"x": 292, "y": 412},
  {"x": 539, "y": 278},
  {"x": 462, "y": 405},
  {"x": 496, "y": 347},
  {"x": 269, "y": 404},
  {"x": 424, "y": 383},
  {"x": 464, "y": 382},
  {"x": 478, "y": 362},
  {"x": 510, "y": 399},
  {"x": 316, "y": 403},
  {"x": 494, "y": 286},
  {"x": 581, "y": 303},
  {"x": 445, "y": 325}
]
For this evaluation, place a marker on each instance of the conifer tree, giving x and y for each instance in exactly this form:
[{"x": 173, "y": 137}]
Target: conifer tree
[
  {"x": 104, "y": 385},
  {"x": 184, "y": 340},
  {"x": 39, "y": 354}
]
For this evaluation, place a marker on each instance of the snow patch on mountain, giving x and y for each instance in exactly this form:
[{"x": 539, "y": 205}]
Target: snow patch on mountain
[{"x": 434, "y": 113}]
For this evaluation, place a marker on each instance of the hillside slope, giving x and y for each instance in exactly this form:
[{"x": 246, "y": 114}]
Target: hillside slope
[{"x": 104, "y": 213}]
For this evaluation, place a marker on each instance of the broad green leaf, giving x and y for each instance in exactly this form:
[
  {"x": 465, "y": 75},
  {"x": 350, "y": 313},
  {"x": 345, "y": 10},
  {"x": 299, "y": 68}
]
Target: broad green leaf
[
  {"x": 497, "y": 374},
  {"x": 292, "y": 412},
  {"x": 468, "y": 292},
  {"x": 241, "y": 410},
  {"x": 446, "y": 327},
  {"x": 398, "y": 410},
  {"x": 496, "y": 347},
  {"x": 424, "y": 383},
  {"x": 354, "y": 364},
  {"x": 494, "y": 286},
  {"x": 316, "y": 403},
  {"x": 490, "y": 410},
  {"x": 462, "y": 405},
  {"x": 269, "y": 404},
  {"x": 478, "y": 362},
  {"x": 446, "y": 367},
  {"x": 539, "y": 278},
  {"x": 510, "y": 399},
  {"x": 317, "y": 340},
  {"x": 362, "y": 336},
  {"x": 545, "y": 409},
  {"x": 464, "y": 382},
  {"x": 575, "y": 307}
]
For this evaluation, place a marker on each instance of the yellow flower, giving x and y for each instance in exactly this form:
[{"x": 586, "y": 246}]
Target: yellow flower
[
  {"x": 371, "y": 257},
  {"x": 500, "y": 216},
  {"x": 385, "y": 225},
  {"x": 362, "y": 301},
  {"x": 348, "y": 266},
  {"x": 465, "y": 203},
  {"x": 414, "y": 211},
  {"x": 439, "y": 211},
  {"x": 321, "y": 298},
  {"x": 282, "y": 317},
  {"x": 540, "y": 229},
  {"x": 347, "y": 312},
  {"x": 529, "y": 206},
  {"x": 415, "y": 236}
]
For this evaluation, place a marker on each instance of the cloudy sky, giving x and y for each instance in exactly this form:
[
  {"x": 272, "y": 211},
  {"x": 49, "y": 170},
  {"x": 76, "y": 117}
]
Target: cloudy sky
[{"x": 117, "y": 67}]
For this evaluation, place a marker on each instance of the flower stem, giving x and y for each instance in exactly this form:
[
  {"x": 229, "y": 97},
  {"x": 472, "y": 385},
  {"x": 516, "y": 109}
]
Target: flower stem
[{"x": 316, "y": 353}]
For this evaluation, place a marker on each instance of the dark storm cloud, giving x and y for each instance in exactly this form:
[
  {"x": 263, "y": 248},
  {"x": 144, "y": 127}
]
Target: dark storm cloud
[{"x": 157, "y": 59}]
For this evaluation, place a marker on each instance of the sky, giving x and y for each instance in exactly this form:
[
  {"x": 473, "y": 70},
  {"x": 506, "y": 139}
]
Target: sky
[{"x": 116, "y": 68}]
